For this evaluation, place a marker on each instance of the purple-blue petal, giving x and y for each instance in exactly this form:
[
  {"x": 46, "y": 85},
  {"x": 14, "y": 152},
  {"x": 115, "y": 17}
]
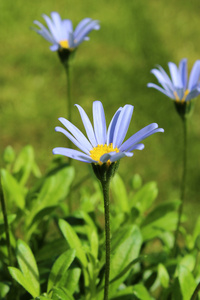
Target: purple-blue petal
[
  {"x": 88, "y": 126},
  {"x": 157, "y": 87},
  {"x": 183, "y": 72},
  {"x": 81, "y": 25},
  {"x": 85, "y": 31},
  {"x": 73, "y": 154},
  {"x": 79, "y": 136},
  {"x": 193, "y": 94},
  {"x": 138, "y": 136},
  {"x": 122, "y": 125},
  {"x": 99, "y": 122},
  {"x": 176, "y": 78},
  {"x": 194, "y": 76},
  {"x": 112, "y": 125},
  {"x": 72, "y": 139}
]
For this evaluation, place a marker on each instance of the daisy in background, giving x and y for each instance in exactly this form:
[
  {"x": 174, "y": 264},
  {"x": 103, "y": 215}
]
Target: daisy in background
[
  {"x": 103, "y": 145},
  {"x": 178, "y": 87},
  {"x": 60, "y": 32}
]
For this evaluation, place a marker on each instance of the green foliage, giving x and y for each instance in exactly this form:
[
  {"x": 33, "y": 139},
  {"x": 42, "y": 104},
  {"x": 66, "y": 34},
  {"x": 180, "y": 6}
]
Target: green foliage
[{"x": 61, "y": 254}]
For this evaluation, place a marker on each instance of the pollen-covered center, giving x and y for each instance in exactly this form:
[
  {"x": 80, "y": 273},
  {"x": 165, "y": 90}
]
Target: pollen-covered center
[
  {"x": 100, "y": 150},
  {"x": 184, "y": 96},
  {"x": 64, "y": 44}
]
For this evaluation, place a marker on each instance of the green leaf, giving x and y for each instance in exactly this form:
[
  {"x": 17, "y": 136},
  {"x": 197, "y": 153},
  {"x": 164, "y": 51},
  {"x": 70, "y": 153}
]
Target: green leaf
[
  {"x": 4, "y": 289},
  {"x": 28, "y": 265},
  {"x": 144, "y": 198},
  {"x": 188, "y": 261},
  {"x": 141, "y": 292},
  {"x": 163, "y": 275},
  {"x": 61, "y": 294},
  {"x": 54, "y": 189},
  {"x": 125, "y": 294},
  {"x": 155, "y": 229},
  {"x": 24, "y": 164},
  {"x": 73, "y": 241},
  {"x": 59, "y": 268},
  {"x": 125, "y": 247},
  {"x": 9, "y": 155},
  {"x": 19, "y": 277},
  {"x": 13, "y": 192},
  {"x": 136, "y": 182},
  {"x": 10, "y": 218},
  {"x": 187, "y": 282},
  {"x": 160, "y": 211},
  {"x": 119, "y": 193}
]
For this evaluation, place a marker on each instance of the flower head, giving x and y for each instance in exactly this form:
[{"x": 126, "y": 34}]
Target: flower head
[
  {"x": 60, "y": 32},
  {"x": 178, "y": 87},
  {"x": 103, "y": 145}
]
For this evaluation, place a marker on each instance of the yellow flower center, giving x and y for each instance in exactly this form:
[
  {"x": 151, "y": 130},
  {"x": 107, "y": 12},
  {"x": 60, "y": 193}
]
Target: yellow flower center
[
  {"x": 100, "y": 150},
  {"x": 64, "y": 44},
  {"x": 184, "y": 96}
]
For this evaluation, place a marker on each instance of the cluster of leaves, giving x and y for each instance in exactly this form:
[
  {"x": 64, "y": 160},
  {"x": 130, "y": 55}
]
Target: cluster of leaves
[{"x": 58, "y": 254}]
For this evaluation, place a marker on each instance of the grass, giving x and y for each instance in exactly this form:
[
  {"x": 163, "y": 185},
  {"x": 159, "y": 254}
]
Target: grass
[{"x": 114, "y": 67}]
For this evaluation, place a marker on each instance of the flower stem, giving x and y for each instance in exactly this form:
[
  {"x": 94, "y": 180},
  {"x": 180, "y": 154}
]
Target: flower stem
[
  {"x": 194, "y": 295},
  {"x": 183, "y": 183},
  {"x": 3, "y": 206},
  {"x": 69, "y": 110},
  {"x": 105, "y": 186}
]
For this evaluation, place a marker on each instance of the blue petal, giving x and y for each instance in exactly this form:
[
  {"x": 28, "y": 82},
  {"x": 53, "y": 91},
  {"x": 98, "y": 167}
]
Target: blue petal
[
  {"x": 99, "y": 122},
  {"x": 138, "y": 136},
  {"x": 44, "y": 32},
  {"x": 67, "y": 31},
  {"x": 176, "y": 78},
  {"x": 122, "y": 125},
  {"x": 85, "y": 31},
  {"x": 112, "y": 125},
  {"x": 113, "y": 156},
  {"x": 136, "y": 147},
  {"x": 157, "y": 87},
  {"x": 57, "y": 21},
  {"x": 193, "y": 94},
  {"x": 54, "y": 47},
  {"x": 88, "y": 126},
  {"x": 76, "y": 133},
  {"x": 167, "y": 79},
  {"x": 81, "y": 25},
  {"x": 183, "y": 72},
  {"x": 52, "y": 27},
  {"x": 71, "y": 138},
  {"x": 73, "y": 154},
  {"x": 194, "y": 76}
]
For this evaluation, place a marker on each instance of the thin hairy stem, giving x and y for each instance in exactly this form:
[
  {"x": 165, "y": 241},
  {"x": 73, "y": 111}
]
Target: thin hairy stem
[
  {"x": 194, "y": 295},
  {"x": 183, "y": 184}
]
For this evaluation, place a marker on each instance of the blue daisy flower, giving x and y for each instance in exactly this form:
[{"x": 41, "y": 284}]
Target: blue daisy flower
[
  {"x": 60, "y": 32},
  {"x": 103, "y": 145},
  {"x": 178, "y": 87}
]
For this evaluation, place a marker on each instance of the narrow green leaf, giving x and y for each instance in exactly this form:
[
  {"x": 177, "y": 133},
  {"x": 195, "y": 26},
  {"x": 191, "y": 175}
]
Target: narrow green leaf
[
  {"x": 19, "y": 277},
  {"x": 119, "y": 193},
  {"x": 24, "y": 164},
  {"x": 61, "y": 294},
  {"x": 141, "y": 292},
  {"x": 71, "y": 279},
  {"x": 28, "y": 265},
  {"x": 12, "y": 190},
  {"x": 144, "y": 198},
  {"x": 73, "y": 241},
  {"x": 11, "y": 218},
  {"x": 4, "y": 289},
  {"x": 160, "y": 211},
  {"x": 59, "y": 268},
  {"x": 163, "y": 275},
  {"x": 187, "y": 282}
]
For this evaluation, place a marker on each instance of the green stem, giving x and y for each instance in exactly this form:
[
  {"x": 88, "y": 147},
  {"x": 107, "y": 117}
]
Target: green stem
[
  {"x": 3, "y": 206},
  {"x": 105, "y": 186},
  {"x": 194, "y": 295},
  {"x": 69, "y": 110},
  {"x": 183, "y": 184}
]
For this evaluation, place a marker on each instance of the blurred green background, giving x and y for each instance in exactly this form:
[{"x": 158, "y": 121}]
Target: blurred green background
[{"x": 114, "y": 67}]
